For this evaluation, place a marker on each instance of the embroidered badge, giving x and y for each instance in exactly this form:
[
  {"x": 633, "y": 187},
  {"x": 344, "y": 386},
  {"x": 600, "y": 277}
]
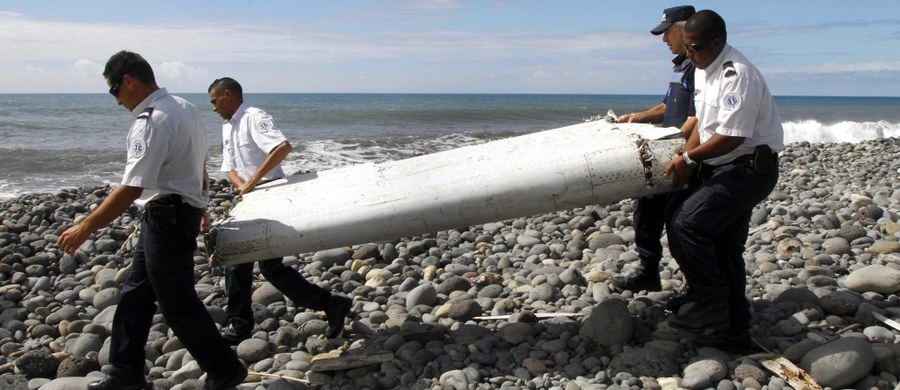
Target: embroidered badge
[
  {"x": 731, "y": 101},
  {"x": 137, "y": 148},
  {"x": 265, "y": 125}
]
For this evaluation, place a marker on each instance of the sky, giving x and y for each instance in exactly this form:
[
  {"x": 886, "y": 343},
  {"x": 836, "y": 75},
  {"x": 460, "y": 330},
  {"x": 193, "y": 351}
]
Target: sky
[{"x": 811, "y": 48}]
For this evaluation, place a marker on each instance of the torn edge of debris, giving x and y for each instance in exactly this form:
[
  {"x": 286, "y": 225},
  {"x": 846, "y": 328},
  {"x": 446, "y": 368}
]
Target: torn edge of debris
[{"x": 647, "y": 158}]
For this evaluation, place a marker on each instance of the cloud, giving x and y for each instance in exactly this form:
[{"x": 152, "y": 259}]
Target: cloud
[
  {"x": 432, "y": 5},
  {"x": 178, "y": 69},
  {"x": 88, "y": 69},
  {"x": 838, "y": 68},
  {"x": 40, "y": 40}
]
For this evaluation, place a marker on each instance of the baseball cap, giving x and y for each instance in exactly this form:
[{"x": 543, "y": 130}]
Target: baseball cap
[{"x": 672, "y": 15}]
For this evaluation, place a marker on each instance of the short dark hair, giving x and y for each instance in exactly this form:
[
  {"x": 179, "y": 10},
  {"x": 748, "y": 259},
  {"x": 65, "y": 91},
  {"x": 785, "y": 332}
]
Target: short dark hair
[
  {"x": 227, "y": 83},
  {"x": 707, "y": 25},
  {"x": 127, "y": 62}
]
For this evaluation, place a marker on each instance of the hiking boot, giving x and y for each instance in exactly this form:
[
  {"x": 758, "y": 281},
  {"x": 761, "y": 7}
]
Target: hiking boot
[
  {"x": 703, "y": 315},
  {"x": 738, "y": 343},
  {"x": 227, "y": 382},
  {"x": 644, "y": 281},
  {"x": 337, "y": 310},
  {"x": 114, "y": 383},
  {"x": 234, "y": 335}
]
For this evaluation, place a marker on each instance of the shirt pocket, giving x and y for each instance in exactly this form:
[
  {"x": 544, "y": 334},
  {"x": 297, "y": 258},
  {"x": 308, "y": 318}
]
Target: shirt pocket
[{"x": 246, "y": 144}]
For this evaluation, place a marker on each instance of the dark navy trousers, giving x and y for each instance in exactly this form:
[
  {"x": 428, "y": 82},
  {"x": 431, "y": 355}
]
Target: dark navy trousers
[
  {"x": 708, "y": 232},
  {"x": 162, "y": 273},
  {"x": 238, "y": 285},
  {"x": 649, "y": 215}
]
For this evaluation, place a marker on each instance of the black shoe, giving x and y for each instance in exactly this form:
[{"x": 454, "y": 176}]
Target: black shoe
[
  {"x": 338, "y": 309},
  {"x": 678, "y": 301},
  {"x": 700, "y": 316},
  {"x": 739, "y": 343},
  {"x": 226, "y": 382},
  {"x": 113, "y": 383},
  {"x": 643, "y": 281},
  {"x": 234, "y": 335}
]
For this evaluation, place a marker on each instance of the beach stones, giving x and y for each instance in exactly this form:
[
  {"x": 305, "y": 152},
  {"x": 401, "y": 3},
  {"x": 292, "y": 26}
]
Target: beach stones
[
  {"x": 608, "y": 324},
  {"x": 821, "y": 259},
  {"x": 37, "y": 364},
  {"x": 874, "y": 278},
  {"x": 839, "y": 363},
  {"x": 644, "y": 362}
]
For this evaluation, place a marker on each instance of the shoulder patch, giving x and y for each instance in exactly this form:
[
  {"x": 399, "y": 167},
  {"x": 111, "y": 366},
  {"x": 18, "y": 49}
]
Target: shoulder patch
[
  {"x": 265, "y": 125},
  {"x": 731, "y": 101},
  {"x": 138, "y": 148}
]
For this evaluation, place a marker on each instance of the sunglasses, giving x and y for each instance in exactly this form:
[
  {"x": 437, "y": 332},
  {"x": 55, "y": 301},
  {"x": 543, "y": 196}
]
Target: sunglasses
[
  {"x": 695, "y": 47},
  {"x": 114, "y": 90}
]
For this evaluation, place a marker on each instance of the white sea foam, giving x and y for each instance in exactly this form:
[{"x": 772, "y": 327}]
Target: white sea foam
[
  {"x": 328, "y": 154},
  {"x": 815, "y": 132}
]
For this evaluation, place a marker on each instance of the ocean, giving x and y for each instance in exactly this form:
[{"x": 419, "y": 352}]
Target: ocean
[{"x": 54, "y": 141}]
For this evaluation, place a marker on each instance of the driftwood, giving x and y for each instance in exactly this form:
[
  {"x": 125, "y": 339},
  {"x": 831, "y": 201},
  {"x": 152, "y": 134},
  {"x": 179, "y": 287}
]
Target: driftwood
[
  {"x": 337, "y": 360},
  {"x": 287, "y": 378},
  {"x": 887, "y": 321},
  {"x": 795, "y": 376},
  {"x": 538, "y": 315}
]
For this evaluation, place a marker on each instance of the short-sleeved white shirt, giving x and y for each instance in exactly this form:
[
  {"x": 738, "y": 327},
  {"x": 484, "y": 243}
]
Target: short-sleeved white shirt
[
  {"x": 732, "y": 99},
  {"x": 167, "y": 149},
  {"x": 247, "y": 139}
]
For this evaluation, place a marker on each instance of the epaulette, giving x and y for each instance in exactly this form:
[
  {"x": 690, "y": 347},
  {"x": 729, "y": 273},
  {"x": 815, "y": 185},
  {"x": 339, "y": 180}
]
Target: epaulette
[
  {"x": 729, "y": 69},
  {"x": 146, "y": 114}
]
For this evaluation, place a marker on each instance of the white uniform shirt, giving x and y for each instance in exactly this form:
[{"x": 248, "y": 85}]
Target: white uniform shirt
[
  {"x": 167, "y": 149},
  {"x": 247, "y": 139},
  {"x": 732, "y": 99}
]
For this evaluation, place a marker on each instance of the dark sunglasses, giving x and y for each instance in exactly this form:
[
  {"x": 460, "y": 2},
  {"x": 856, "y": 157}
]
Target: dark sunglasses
[
  {"x": 695, "y": 47},
  {"x": 114, "y": 90}
]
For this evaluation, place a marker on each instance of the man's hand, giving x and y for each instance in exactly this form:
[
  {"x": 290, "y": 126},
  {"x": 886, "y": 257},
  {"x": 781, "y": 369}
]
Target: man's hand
[
  {"x": 72, "y": 238},
  {"x": 114, "y": 205},
  {"x": 679, "y": 170},
  {"x": 205, "y": 221},
  {"x": 629, "y": 118},
  {"x": 246, "y": 187}
]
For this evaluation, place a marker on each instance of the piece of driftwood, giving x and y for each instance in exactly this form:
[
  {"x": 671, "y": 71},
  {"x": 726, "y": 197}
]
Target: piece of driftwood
[
  {"x": 287, "y": 378},
  {"x": 795, "y": 376},
  {"x": 538, "y": 315},
  {"x": 336, "y": 360}
]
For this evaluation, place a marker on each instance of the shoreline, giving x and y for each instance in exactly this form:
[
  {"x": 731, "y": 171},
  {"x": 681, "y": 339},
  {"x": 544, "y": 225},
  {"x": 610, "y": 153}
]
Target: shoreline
[{"x": 831, "y": 221}]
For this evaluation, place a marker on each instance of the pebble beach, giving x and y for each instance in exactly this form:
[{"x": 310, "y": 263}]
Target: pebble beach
[{"x": 526, "y": 303}]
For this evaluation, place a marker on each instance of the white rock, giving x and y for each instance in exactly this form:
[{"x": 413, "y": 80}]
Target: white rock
[{"x": 874, "y": 278}]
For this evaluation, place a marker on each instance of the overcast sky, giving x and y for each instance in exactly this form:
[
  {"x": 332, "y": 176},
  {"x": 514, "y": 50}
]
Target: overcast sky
[{"x": 821, "y": 47}]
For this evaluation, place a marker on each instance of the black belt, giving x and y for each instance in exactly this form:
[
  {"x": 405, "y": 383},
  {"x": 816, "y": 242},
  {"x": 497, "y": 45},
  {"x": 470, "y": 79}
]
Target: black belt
[
  {"x": 744, "y": 160},
  {"x": 173, "y": 199},
  {"x": 749, "y": 160}
]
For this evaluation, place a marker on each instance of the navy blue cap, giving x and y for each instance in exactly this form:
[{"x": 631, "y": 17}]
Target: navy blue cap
[{"x": 672, "y": 15}]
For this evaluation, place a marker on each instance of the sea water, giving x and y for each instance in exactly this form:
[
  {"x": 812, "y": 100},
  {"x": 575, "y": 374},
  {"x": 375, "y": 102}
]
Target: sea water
[{"x": 53, "y": 141}]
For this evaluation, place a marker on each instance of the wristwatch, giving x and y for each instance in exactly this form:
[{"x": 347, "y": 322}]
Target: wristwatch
[{"x": 687, "y": 159}]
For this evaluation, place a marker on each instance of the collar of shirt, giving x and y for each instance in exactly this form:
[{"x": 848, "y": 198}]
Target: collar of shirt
[
  {"x": 238, "y": 114},
  {"x": 715, "y": 67},
  {"x": 678, "y": 60},
  {"x": 147, "y": 100}
]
